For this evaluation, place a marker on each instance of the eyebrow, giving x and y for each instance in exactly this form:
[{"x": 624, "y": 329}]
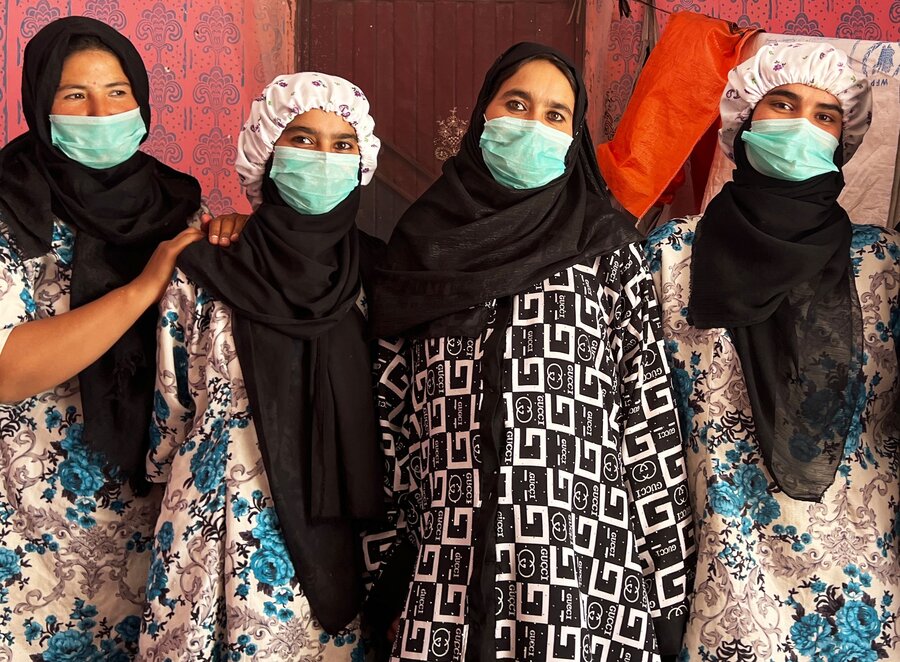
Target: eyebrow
[
  {"x": 312, "y": 132},
  {"x": 75, "y": 86},
  {"x": 793, "y": 96},
  {"x": 555, "y": 105}
]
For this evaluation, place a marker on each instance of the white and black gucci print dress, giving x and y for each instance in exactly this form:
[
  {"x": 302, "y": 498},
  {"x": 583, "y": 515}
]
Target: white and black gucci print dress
[{"x": 537, "y": 473}]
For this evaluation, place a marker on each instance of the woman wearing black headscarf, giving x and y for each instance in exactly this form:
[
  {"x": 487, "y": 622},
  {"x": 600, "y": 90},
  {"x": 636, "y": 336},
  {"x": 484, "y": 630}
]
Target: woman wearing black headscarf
[
  {"x": 782, "y": 322},
  {"x": 264, "y": 429},
  {"x": 535, "y": 468},
  {"x": 89, "y": 232}
]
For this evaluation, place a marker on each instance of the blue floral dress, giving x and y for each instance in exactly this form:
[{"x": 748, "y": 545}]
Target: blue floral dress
[
  {"x": 74, "y": 543},
  {"x": 221, "y": 583},
  {"x": 779, "y": 579}
]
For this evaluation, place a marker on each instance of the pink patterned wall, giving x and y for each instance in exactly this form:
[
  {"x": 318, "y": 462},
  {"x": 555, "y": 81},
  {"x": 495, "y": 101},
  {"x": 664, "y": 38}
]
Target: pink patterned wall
[
  {"x": 206, "y": 59},
  {"x": 620, "y": 37}
]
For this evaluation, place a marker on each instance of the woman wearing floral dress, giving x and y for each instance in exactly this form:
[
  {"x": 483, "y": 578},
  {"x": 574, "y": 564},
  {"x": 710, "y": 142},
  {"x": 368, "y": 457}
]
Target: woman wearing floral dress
[
  {"x": 81, "y": 212},
  {"x": 264, "y": 411},
  {"x": 781, "y": 322}
]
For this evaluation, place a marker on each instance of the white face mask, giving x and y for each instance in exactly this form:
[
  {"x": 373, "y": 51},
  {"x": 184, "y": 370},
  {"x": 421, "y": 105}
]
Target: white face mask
[
  {"x": 314, "y": 182},
  {"x": 523, "y": 154},
  {"x": 790, "y": 149},
  {"x": 98, "y": 142}
]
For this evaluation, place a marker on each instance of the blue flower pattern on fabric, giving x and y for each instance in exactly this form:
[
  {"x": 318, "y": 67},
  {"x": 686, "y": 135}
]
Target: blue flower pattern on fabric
[
  {"x": 209, "y": 456},
  {"x": 823, "y": 613}
]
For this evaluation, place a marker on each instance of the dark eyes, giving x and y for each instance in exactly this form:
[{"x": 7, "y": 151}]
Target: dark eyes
[
  {"x": 340, "y": 146},
  {"x": 519, "y": 107},
  {"x": 80, "y": 96}
]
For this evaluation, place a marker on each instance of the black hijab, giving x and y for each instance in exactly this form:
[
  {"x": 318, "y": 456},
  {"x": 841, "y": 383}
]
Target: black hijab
[
  {"x": 771, "y": 263},
  {"x": 469, "y": 239},
  {"x": 293, "y": 282},
  {"x": 121, "y": 214}
]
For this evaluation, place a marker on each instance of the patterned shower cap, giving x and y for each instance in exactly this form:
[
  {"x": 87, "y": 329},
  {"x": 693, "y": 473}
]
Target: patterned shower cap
[
  {"x": 280, "y": 102},
  {"x": 785, "y": 62}
]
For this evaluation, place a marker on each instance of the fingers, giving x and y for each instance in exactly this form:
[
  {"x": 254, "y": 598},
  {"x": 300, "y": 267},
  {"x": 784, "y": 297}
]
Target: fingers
[
  {"x": 214, "y": 230},
  {"x": 225, "y": 229},
  {"x": 184, "y": 239},
  {"x": 240, "y": 220},
  {"x": 392, "y": 630}
]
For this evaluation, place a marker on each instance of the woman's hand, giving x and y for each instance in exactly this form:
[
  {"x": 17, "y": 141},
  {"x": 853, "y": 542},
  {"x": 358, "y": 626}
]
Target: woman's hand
[
  {"x": 155, "y": 277},
  {"x": 225, "y": 229},
  {"x": 392, "y": 630},
  {"x": 42, "y": 353}
]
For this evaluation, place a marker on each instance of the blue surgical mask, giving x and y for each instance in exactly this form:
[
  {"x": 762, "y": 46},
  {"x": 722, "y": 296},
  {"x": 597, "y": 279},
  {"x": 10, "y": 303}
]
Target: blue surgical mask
[
  {"x": 791, "y": 149},
  {"x": 98, "y": 142},
  {"x": 523, "y": 154},
  {"x": 314, "y": 182}
]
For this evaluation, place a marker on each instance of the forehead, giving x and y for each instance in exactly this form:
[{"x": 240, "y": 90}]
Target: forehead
[
  {"x": 91, "y": 61},
  {"x": 807, "y": 94},
  {"x": 540, "y": 75},
  {"x": 320, "y": 121}
]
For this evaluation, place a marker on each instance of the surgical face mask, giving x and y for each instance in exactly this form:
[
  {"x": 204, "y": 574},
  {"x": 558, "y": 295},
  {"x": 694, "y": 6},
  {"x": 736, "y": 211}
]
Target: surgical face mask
[
  {"x": 523, "y": 154},
  {"x": 98, "y": 142},
  {"x": 314, "y": 182},
  {"x": 792, "y": 149}
]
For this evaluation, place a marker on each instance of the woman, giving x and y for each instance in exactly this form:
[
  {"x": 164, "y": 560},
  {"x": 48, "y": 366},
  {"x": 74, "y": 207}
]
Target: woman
[
  {"x": 781, "y": 322},
  {"x": 526, "y": 410},
  {"x": 264, "y": 409},
  {"x": 81, "y": 214}
]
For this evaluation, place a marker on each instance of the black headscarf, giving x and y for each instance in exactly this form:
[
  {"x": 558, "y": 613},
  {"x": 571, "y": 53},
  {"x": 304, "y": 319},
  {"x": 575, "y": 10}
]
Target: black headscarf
[
  {"x": 469, "y": 239},
  {"x": 121, "y": 214},
  {"x": 293, "y": 282},
  {"x": 771, "y": 263}
]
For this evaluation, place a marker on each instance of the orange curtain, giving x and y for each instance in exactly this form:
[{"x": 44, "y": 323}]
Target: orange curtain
[{"x": 675, "y": 102}]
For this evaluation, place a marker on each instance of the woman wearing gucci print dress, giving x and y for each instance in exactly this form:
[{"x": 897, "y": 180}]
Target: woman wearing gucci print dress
[
  {"x": 535, "y": 466},
  {"x": 275, "y": 326},
  {"x": 781, "y": 322},
  {"x": 82, "y": 212}
]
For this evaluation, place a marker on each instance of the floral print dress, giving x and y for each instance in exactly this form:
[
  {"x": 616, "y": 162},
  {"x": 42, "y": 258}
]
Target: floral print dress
[
  {"x": 74, "y": 541},
  {"x": 221, "y": 584},
  {"x": 780, "y": 579}
]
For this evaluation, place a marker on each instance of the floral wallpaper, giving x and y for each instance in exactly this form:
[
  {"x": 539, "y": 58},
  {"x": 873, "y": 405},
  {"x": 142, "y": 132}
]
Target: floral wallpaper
[
  {"x": 206, "y": 60},
  {"x": 877, "y": 20}
]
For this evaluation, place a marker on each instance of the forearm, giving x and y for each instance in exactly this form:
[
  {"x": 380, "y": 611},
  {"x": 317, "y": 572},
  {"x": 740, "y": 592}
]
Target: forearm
[{"x": 40, "y": 354}]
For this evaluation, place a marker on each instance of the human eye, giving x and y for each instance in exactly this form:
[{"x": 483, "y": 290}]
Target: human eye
[
  {"x": 555, "y": 116},
  {"x": 515, "y": 105},
  {"x": 301, "y": 140},
  {"x": 343, "y": 146},
  {"x": 74, "y": 96}
]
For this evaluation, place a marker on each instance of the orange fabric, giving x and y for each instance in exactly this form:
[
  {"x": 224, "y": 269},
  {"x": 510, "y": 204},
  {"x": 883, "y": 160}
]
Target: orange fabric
[{"x": 675, "y": 102}]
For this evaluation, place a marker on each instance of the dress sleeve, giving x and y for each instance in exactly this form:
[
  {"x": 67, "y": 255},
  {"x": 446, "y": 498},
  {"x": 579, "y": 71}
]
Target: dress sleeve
[
  {"x": 391, "y": 550},
  {"x": 180, "y": 359},
  {"x": 652, "y": 453},
  {"x": 16, "y": 303}
]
